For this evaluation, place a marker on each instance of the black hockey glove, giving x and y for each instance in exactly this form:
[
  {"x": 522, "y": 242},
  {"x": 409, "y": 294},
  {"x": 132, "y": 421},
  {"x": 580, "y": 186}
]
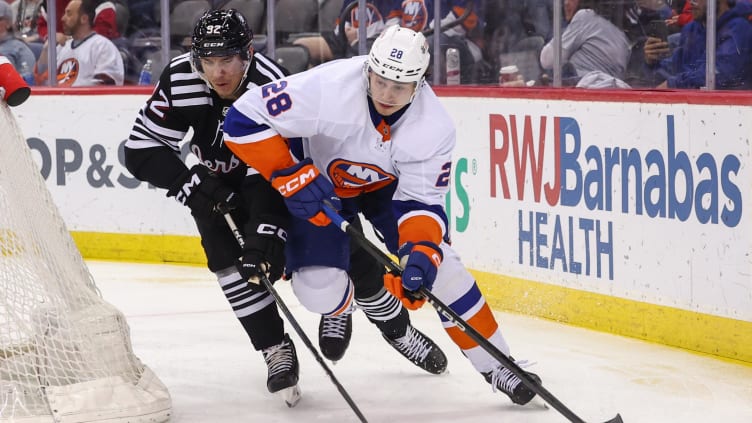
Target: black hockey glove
[
  {"x": 264, "y": 252},
  {"x": 203, "y": 192}
]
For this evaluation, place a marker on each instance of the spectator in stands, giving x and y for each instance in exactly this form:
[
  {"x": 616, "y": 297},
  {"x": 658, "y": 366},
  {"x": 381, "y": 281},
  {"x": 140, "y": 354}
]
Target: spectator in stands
[
  {"x": 85, "y": 57},
  {"x": 104, "y": 22},
  {"x": 682, "y": 14},
  {"x": 333, "y": 44},
  {"x": 25, "y": 18},
  {"x": 637, "y": 15},
  {"x": 11, "y": 47},
  {"x": 685, "y": 67},
  {"x": 465, "y": 36},
  {"x": 589, "y": 43}
]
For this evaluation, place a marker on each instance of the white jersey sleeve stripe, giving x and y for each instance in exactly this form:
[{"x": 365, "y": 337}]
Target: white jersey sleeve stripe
[
  {"x": 164, "y": 132},
  {"x": 192, "y": 102},
  {"x": 139, "y": 128},
  {"x": 140, "y": 133},
  {"x": 139, "y": 144},
  {"x": 180, "y": 59},
  {"x": 189, "y": 89},
  {"x": 183, "y": 76},
  {"x": 267, "y": 67}
]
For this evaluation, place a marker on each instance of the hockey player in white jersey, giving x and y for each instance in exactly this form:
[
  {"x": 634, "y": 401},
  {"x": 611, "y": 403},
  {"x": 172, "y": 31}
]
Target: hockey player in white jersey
[
  {"x": 195, "y": 91},
  {"x": 373, "y": 129}
]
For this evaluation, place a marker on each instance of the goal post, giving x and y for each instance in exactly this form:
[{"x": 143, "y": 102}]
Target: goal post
[{"x": 65, "y": 353}]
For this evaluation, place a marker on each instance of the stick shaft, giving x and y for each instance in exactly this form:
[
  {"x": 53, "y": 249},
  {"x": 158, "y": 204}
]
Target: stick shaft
[
  {"x": 453, "y": 317},
  {"x": 294, "y": 323}
]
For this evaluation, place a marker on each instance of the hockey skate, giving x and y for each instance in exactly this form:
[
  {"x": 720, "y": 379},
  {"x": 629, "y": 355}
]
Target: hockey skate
[
  {"x": 334, "y": 335},
  {"x": 504, "y": 380},
  {"x": 420, "y": 350},
  {"x": 282, "y": 362}
]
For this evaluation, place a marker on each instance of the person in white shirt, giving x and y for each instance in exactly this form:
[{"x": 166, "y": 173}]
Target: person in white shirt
[
  {"x": 380, "y": 146},
  {"x": 589, "y": 43},
  {"x": 84, "y": 58}
]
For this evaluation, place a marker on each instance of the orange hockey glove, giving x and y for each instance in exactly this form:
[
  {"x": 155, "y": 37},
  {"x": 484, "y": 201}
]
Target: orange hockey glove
[{"x": 393, "y": 284}]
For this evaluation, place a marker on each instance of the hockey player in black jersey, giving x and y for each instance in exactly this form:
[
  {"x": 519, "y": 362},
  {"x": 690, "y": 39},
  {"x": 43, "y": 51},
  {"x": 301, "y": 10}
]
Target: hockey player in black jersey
[{"x": 195, "y": 91}]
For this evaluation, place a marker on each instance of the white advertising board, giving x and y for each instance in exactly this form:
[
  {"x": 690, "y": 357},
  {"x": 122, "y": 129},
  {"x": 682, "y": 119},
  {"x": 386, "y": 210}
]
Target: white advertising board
[
  {"x": 634, "y": 200},
  {"x": 77, "y": 141},
  {"x": 639, "y": 201}
]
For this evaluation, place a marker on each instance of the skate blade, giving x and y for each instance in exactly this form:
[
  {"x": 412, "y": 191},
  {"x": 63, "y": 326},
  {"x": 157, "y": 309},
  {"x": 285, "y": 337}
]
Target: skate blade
[{"x": 291, "y": 395}]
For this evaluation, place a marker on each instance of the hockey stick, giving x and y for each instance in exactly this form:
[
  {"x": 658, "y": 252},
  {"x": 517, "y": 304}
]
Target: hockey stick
[
  {"x": 294, "y": 323},
  {"x": 453, "y": 317}
]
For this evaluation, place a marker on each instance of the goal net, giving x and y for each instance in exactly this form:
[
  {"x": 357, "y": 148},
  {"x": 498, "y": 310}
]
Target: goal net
[{"x": 65, "y": 353}]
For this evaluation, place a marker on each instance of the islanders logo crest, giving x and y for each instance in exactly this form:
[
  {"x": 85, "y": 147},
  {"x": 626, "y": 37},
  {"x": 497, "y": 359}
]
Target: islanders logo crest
[
  {"x": 351, "y": 178},
  {"x": 414, "y": 15},
  {"x": 67, "y": 72}
]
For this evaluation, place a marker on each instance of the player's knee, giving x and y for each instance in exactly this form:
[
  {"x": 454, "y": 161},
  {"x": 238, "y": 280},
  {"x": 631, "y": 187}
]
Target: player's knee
[
  {"x": 452, "y": 279},
  {"x": 323, "y": 290}
]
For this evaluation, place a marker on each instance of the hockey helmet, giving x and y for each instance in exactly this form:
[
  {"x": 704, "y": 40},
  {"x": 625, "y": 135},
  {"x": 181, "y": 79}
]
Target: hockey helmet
[
  {"x": 400, "y": 54},
  {"x": 221, "y": 33}
]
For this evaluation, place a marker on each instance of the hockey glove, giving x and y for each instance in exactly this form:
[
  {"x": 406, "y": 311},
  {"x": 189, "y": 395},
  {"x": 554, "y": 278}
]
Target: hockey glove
[
  {"x": 203, "y": 192},
  {"x": 264, "y": 252},
  {"x": 420, "y": 261},
  {"x": 393, "y": 284},
  {"x": 305, "y": 190}
]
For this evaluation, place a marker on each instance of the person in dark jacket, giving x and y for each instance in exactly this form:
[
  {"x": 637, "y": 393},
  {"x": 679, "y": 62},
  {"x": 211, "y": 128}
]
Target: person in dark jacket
[{"x": 685, "y": 67}]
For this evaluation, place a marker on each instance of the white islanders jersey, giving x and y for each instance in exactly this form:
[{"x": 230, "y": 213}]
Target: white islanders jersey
[
  {"x": 328, "y": 107},
  {"x": 96, "y": 55}
]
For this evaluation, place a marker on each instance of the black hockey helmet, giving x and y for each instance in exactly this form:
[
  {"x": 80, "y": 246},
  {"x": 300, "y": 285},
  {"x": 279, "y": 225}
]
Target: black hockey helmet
[{"x": 221, "y": 33}]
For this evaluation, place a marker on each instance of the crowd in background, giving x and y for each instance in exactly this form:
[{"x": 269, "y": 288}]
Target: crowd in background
[{"x": 605, "y": 43}]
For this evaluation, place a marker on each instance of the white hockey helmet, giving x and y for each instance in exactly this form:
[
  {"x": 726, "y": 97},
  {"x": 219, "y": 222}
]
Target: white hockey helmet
[{"x": 400, "y": 54}]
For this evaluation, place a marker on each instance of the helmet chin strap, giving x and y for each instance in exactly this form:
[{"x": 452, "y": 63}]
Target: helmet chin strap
[
  {"x": 201, "y": 74},
  {"x": 417, "y": 87}
]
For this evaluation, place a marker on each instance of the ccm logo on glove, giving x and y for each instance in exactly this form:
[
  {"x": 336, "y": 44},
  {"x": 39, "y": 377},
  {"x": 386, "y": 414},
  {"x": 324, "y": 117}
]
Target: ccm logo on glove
[
  {"x": 263, "y": 254},
  {"x": 420, "y": 261},
  {"x": 297, "y": 181},
  {"x": 187, "y": 189},
  {"x": 269, "y": 229},
  {"x": 305, "y": 191},
  {"x": 203, "y": 192}
]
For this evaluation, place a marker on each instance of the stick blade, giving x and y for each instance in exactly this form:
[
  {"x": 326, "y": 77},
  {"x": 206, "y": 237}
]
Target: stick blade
[{"x": 616, "y": 419}]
